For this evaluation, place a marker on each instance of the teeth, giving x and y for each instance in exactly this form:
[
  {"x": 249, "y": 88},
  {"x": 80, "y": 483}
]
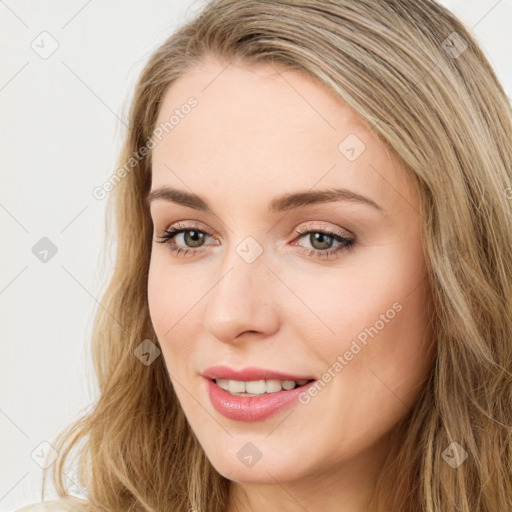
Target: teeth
[
  {"x": 257, "y": 387},
  {"x": 236, "y": 386},
  {"x": 273, "y": 386},
  {"x": 288, "y": 384}
]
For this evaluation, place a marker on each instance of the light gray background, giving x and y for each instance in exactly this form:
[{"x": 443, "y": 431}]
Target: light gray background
[{"x": 62, "y": 121}]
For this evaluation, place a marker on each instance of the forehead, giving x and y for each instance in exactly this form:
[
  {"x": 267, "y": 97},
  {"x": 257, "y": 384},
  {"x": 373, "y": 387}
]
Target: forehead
[
  {"x": 259, "y": 100},
  {"x": 258, "y": 129}
]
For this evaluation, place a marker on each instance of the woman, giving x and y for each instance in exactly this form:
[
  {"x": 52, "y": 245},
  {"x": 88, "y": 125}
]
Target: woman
[{"x": 311, "y": 307}]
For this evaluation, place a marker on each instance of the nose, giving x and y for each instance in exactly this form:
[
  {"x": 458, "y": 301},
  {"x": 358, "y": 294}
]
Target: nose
[{"x": 242, "y": 302}]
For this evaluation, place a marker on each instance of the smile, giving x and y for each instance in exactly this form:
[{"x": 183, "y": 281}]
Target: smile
[
  {"x": 258, "y": 387},
  {"x": 242, "y": 406}
]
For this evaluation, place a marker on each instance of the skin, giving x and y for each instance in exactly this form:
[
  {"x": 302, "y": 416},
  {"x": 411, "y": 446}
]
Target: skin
[{"x": 256, "y": 133}]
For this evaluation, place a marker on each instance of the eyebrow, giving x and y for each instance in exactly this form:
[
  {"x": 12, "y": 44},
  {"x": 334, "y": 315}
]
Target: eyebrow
[{"x": 282, "y": 203}]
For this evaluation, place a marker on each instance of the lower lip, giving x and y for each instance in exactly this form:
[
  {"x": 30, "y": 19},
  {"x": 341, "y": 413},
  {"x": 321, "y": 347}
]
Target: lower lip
[{"x": 252, "y": 408}]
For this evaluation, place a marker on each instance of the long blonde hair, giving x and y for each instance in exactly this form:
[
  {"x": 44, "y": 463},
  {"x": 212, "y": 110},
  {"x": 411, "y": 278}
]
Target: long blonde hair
[{"x": 415, "y": 74}]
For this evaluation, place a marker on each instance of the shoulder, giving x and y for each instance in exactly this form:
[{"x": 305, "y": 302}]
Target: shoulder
[{"x": 47, "y": 506}]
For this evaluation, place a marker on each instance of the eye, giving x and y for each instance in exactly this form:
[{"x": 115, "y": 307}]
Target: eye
[
  {"x": 321, "y": 241},
  {"x": 191, "y": 235}
]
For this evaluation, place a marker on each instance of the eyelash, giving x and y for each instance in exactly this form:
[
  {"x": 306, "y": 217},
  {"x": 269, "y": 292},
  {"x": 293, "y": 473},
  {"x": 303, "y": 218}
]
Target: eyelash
[{"x": 168, "y": 238}]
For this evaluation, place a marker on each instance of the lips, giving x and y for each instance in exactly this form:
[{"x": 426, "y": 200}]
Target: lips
[
  {"x": 256, "y": 408},
  {"x": 251, "y": 374}
]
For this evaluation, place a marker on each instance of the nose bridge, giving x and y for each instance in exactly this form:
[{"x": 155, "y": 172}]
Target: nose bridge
[{"x": 242, "y": 296}]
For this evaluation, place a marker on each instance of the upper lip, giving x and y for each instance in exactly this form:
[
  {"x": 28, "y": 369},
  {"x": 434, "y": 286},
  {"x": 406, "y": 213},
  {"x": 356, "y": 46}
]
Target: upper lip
[{"x": 250, "y": 374}]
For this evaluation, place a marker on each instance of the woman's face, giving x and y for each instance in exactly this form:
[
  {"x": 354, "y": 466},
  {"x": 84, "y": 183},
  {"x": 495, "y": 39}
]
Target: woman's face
[{"x": 284, "y": 275}]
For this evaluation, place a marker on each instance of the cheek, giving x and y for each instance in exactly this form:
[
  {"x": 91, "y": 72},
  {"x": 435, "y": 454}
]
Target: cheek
[
  {"x": 383, "y": 331},
  {"x": 169, "y": 308},
  {"x": 158, "y": 297},
  {"x": 377, "y": 310},
  {"x": 170, "y": 292},
  {"x": 383, "y": 288}
]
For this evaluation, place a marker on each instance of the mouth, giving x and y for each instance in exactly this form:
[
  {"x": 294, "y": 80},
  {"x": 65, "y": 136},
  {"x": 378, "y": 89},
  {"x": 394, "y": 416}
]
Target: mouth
[
  {"x": 259, "y": 387},
  {"x": 254, "y": 400}
]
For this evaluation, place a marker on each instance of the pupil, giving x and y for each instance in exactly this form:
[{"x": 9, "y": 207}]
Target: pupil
[
  {"x": 320, "y": 236},
  {"x": 194, "y": 238}
]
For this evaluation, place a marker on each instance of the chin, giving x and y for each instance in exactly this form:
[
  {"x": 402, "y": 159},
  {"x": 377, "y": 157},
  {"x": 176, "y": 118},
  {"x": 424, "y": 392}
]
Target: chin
[{"x": 264, "y": 471}]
